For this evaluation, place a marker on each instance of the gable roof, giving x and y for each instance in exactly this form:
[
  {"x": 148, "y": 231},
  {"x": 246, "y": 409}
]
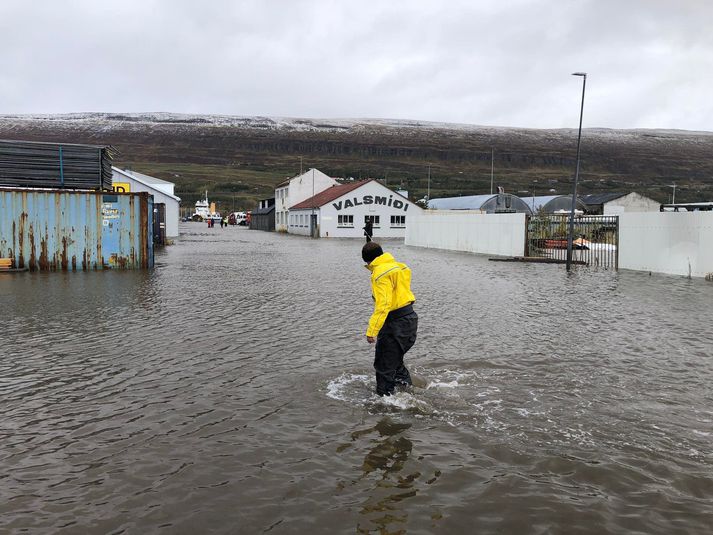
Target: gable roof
[
  {"x": 328, "y": 195},
  {"x": 146, "y": 180}
]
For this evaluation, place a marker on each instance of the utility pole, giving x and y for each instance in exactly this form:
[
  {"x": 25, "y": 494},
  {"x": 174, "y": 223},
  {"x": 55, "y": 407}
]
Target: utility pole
[
  {"x": 673, "y": 197},
  {"x": 492, "y": 166}
]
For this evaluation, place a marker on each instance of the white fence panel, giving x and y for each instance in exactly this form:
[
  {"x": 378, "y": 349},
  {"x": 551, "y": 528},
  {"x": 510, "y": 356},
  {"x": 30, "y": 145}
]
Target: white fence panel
[
  {"x": 677, "y": 243},
  {"x": 475, "y": 232}
]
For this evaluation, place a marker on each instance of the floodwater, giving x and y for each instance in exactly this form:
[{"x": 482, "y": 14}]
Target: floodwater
[{"x": 229, "y": 390}]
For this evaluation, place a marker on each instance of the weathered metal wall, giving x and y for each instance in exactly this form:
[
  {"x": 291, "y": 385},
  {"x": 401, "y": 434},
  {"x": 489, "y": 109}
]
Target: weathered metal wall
[
  {"x": 264, "y": 222},
  {"x": 50, "y": 230}
]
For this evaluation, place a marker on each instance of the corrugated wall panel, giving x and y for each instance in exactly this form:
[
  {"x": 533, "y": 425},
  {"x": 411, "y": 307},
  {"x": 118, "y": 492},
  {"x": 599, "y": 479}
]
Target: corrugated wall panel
[{"x": 71, "y": 230}]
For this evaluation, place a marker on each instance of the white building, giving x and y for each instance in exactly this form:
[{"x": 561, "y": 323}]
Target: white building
[
  {"x": 295, "y": 190},
  {"x": 619, "y": 203},
  {"x": 162, "y": 191},
  {"x": 342, "y": 210}
]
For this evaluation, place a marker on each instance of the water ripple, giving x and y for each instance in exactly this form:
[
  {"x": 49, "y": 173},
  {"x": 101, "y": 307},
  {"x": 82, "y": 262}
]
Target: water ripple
[{"x": 230, "y": 390}]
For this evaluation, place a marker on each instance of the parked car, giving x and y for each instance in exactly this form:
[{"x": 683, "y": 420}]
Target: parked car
[{"x": 237, "y": 218}]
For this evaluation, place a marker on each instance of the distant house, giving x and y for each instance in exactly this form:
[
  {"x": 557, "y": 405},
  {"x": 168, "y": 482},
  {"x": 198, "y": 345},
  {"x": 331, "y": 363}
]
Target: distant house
[
  {"x": 618, "y": 203},
  {"x": 296, "y": 190},
  {"x": 263, "y": 217},
  {"x": 126, "y": 181},
  {"x": 490, "y": 204}
]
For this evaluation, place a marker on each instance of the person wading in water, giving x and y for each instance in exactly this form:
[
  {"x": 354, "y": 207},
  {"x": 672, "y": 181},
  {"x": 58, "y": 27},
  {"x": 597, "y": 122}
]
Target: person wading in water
[
  {"x": 394, "y": 322},
  {"x": 368, "y": 230}
]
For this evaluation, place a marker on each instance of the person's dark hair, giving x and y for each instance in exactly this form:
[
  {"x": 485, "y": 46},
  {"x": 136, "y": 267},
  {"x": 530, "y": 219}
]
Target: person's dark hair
[{"x": 370, "y": 251}]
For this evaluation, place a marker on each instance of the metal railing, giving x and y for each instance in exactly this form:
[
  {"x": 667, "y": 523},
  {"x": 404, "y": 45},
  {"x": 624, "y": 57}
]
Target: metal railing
[{"x": 596, "y": 239}]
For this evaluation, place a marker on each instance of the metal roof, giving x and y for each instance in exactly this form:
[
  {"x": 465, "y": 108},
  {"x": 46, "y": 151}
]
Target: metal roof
[
  {"x": 600, "y": 198},
  {"x": 264, "y": 211},
  {"x": 467, "y": 202},
  {"x": 55, "y": 165},
  {"x": 537, "y": 202},
  {"x": 144, "y": 179},
  {"x": 148, "y": 181}
]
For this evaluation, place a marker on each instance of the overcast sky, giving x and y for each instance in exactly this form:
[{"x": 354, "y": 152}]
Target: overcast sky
[{"x": 502, "y": 62}]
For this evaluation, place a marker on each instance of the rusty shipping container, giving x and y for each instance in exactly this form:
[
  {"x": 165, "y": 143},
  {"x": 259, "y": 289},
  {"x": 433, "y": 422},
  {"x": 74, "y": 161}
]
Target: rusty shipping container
[{"x": 49, "y": 230}]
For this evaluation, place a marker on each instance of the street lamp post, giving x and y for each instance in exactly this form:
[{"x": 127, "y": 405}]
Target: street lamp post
[
  {"x": 570, "y": 237},
  {"x": 428, "y": 187}
]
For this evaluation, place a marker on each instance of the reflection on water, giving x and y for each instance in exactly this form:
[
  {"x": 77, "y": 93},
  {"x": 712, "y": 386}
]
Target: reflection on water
[
  {"x": 387, "y": 455},
  {"x": 230, "y": 390}
]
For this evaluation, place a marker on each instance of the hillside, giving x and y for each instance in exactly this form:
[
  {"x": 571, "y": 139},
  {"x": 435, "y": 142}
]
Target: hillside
[{"x": 240, "y": 159}]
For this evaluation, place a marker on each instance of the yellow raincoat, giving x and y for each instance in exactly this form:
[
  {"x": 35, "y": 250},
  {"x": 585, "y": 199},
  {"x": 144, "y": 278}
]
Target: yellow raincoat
[{"x": 390, "y": 287}]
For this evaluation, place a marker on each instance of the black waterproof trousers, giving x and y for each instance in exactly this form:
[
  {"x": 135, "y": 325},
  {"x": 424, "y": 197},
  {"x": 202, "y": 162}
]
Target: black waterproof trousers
[{"x": 395, "y": 338}]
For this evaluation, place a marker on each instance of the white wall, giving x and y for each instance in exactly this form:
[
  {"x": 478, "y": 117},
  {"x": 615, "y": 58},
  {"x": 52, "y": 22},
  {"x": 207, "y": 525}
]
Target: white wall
[
  {"x": 493, "y": 234},
  {"x": 676, "y": 243},
  {"x": 281, "y": 208},
  {"x": 172, "y": 205},
  {"x": 633, "y": 202},
  {"x": 667, "y": 242},
  {"x": 299, "y": 221},
  {"x": 328, "y": 215},
  {"x": 307, "y": 185},
  {"x": 300, "y": 188},
  {"x": 363, "y": 200}
]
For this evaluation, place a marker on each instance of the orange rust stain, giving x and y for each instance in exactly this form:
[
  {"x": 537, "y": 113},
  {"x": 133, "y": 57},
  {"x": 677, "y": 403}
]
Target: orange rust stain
[
  {"x": 14, "y": 240},
  {"x": 63, "y": 255},
  {"x": 33, "y": 260},
  {"x": 21, "y": 240}
]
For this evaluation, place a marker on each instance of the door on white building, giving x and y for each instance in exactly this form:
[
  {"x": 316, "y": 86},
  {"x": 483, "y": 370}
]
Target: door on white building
[{"x": 313, "y": 229}]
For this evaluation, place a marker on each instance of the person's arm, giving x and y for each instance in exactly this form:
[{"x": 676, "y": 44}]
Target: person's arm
[{"x": 383, "y": 295}]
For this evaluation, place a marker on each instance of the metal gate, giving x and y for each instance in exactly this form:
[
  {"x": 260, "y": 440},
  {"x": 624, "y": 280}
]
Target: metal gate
[
  {"x": 159, "y": 224},
  {"x": 596, "y": 239}
]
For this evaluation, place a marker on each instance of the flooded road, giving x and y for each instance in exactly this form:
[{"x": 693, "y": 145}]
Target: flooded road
[{"x": 229, "y": 390}]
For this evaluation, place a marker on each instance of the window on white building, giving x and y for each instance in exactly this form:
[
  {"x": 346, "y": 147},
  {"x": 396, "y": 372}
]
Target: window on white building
[
  {"x": 398, "y": 220},
  {"x": 345, "y": 220},
  {"x": 373, "y": 218}
]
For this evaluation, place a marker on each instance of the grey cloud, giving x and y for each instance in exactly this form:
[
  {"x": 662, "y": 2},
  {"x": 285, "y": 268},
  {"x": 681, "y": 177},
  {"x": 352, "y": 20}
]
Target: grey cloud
[{"x": 499, "y": 63}]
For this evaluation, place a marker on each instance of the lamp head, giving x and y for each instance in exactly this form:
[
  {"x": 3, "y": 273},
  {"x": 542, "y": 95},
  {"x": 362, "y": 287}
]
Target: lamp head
[{"x": 579, "y": 74}]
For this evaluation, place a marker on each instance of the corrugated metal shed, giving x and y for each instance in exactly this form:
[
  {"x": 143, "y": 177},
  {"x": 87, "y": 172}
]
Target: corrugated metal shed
[
  {"x": 263, "y": 219},
  {"x": 537, "y": 202},
  {"x": 552, "y": 203},
  {"x": 467, "y": 202},
  {"x": 496, "y": 203},
  {"x": 33, "y": 164},
  {"x": 49, "y": 230}
]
